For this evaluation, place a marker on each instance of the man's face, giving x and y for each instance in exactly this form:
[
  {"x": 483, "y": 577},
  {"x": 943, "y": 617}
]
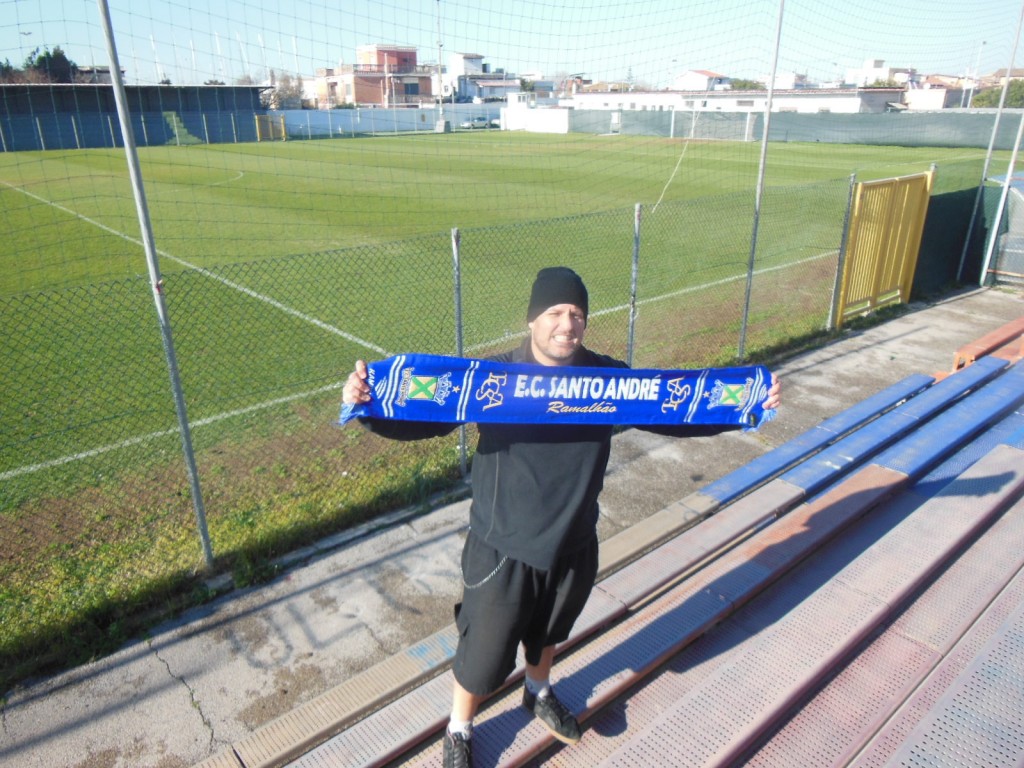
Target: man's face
[{"x": 557, "y": 333}]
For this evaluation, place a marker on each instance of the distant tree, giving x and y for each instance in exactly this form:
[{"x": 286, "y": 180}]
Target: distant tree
[
  {"x": 527, "y": 86},
  {"x": 990, "y": 96},
  {"x": 50, "y": 67},
  {"x": 165, "y": 81},
  {"x": 9, "y": 73},
  {"x": 213, "y": 82},
  {"x": 739, "y": 84},
  {"x": 884, "y": 84},
  {"x": 286, "y": 93}
]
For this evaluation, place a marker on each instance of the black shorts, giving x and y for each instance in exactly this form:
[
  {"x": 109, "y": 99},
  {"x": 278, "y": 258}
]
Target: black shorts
[{"x": 506, "y": 602}]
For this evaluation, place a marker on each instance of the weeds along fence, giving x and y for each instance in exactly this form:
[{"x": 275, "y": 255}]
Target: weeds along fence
[{"x": 97, "y": 512}]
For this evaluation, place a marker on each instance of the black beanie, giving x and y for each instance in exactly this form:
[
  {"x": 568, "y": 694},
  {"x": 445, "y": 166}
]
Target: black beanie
[{"x": 556, "y": 285}]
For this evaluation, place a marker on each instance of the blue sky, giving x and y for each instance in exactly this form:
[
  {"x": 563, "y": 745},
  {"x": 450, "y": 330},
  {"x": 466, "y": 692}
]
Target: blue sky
[{"x": 192, "y": 41}]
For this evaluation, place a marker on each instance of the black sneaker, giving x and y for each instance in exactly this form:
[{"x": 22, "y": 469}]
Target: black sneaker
[
  {"x": 458, "y": 751},
  {"x": 556, "y": 718}
]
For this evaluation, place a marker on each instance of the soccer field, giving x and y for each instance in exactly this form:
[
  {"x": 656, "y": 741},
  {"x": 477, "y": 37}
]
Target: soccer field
[
  {"x": 283, "y": 258},
  {"x": 285, "y": 262},
  {"x": 70, "y": 217}
]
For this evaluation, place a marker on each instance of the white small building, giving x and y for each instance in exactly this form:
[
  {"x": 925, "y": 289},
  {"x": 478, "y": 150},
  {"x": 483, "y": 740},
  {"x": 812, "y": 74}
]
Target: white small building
[
  {"x": 930, "y": 99},
  {"x": 96, "y": 75},
  {"x": 465, "y": 64},
  {"x": 461, "y": 70},
  {"x": 788, "y": 81},
  {"x": 700, "y": 80},
  {"x": 494, "y": 88},
  {"x": 875, "y": 71}
]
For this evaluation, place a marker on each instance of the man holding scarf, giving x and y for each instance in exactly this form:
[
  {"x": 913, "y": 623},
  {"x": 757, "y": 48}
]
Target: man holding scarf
[{"x": 531, "y": 554}]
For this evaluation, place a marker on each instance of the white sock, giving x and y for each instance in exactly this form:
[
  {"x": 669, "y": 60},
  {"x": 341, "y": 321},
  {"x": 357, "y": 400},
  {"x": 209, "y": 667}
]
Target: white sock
[
  {"x": 465, "y": 727},
  {"x": 539, "y": 688}
]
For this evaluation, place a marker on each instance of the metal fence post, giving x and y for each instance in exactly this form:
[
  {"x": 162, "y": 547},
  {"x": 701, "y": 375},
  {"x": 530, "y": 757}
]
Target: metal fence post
[
  {"x": 156, "y": 281},
  {"x": 459, "y": 342},
  {"x": 1001, "y": 207},
  {"x": 633, "y": 283},
  {"x": 841, "y": 265},
  {"x": 988, "y": 155}
]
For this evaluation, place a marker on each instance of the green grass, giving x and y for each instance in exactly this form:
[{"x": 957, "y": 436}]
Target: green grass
[
  {"x": 219, "y": 204},
  {"x": 317, "y": 249}
]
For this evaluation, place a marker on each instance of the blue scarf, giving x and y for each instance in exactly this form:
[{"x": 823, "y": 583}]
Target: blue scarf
[{"x": 464, "y": 390}]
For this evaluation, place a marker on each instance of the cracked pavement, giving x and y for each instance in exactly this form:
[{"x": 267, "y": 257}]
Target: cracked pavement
[{"x": 206, "y": 680}]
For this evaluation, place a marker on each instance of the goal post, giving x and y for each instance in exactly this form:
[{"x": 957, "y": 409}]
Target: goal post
[{"x": 270, "y": 128}]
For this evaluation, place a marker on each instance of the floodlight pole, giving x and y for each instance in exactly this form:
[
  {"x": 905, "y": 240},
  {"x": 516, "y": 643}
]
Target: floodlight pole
[
  {"x": 440, "y": 126},
  {"x": 741, "y": 350},
  {"x": 440, "y": 84},
  {"x": 156, "y": 281},
  {"x": 974, "y": 79}
]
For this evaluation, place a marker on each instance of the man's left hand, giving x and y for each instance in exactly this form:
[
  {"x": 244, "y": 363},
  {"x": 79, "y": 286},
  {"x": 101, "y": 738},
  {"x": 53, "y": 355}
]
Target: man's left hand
[{"x": 774, "y": 394}]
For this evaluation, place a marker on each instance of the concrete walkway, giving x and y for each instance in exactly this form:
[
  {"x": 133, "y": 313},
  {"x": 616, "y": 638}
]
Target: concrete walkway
[{"x": 221, "y": 673}]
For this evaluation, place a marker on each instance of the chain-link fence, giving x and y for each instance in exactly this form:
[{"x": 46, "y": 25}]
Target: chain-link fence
[
  {"x": 96, "y": 513},
  {"x": 177, "y": 127},
  {"x": 143, "y": 452}
]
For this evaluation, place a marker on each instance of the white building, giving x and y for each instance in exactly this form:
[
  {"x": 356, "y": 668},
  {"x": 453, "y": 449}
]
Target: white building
[
  {"x": 462, "y": 70},
  {"x": 788, "y": 81},
  {"x": 875, "y": 70},
  {"x": 700, "y": 80},
  {"x": 802, "y": 100}
]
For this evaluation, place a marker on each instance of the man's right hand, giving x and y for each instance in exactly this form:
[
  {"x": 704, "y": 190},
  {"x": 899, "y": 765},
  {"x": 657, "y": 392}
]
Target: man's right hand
[{"x": 356, "y": 390}]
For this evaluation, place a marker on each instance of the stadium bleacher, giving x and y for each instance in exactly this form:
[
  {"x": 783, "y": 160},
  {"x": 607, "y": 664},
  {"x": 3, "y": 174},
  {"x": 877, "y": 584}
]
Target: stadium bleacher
[{"x": 852, "y": 597}]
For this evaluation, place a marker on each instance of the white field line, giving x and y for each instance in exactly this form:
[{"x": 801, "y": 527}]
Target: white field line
[
  {"x": 241, "y": 174},
  {"x": 219, "y": 417},
  {"x": 165, "y": 433},
  {"x": 302, "y": 395},
  {"x": 679, "y": 162},
  {"x": 235, "y": 286}
]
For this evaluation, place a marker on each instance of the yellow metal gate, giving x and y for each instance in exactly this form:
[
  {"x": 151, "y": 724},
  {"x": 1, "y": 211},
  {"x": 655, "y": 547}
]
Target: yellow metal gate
[{"x": 886, "y": 221}]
